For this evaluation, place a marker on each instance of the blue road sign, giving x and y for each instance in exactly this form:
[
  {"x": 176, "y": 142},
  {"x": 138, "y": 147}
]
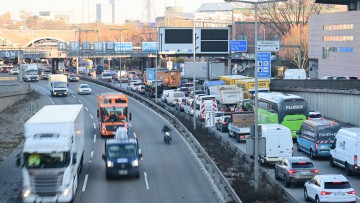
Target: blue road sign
[
  {"x": 73, "y": 69},
  {"x": 238, "y": 45},
  {"x": 264, "y": 64},
  {"x": 125, "y": 46},
  {"x": 149, "y": 46}
]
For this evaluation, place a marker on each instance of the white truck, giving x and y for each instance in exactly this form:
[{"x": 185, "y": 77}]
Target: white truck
[
  {"x": 239, "y": 125},
  {"x": 202, "y": 71},
  {"x": 53, "y": 153},
  {"x": 227, "y": 96},
  {"x": 278, "y": 143},
  {"x": 58, "y": 85},
  {"x": 29, "y": 72}
]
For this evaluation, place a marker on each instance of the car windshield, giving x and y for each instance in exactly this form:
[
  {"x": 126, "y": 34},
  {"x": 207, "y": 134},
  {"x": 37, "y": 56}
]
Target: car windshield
[
  {"x": 121, "y": 151},
  {"x": 337, "y": 185},
  {"x": 84, "y": 86},
  {"x": 47, "y": 160},
  {"x": 302, "y": 165}
]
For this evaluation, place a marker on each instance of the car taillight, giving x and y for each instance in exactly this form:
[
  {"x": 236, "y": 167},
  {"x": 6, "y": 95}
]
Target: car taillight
[
  {"x": 225, "y": 123},
  {"x": 355, "y": 160},
  {"x": 316, "y": 146},
  {"x": 315, "y": 171},
  {"x": 351, "y": 192},
  {"x": 325, "y": 193},
  {"x": 292, "y": 171}
]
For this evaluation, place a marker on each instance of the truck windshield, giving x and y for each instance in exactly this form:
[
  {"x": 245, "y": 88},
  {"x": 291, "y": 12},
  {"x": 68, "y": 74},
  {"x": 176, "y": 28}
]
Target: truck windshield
[
  {"x": 60, "y": 84},
  {"x": 121, "y": 151},
  {"x": 112, "y": 114},
  {"x": 32, "y": 72},
  {"x": 47, "y": 160}
]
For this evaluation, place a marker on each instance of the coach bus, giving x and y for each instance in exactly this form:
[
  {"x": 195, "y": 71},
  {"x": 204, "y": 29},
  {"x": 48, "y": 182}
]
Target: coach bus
[{"x": 286, "y": 109}]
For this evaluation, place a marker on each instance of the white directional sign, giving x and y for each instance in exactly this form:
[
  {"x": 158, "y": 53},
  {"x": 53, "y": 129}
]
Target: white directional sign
[
  {"x": 209, "y": 118},
  {"x": 268, "y": 46}
]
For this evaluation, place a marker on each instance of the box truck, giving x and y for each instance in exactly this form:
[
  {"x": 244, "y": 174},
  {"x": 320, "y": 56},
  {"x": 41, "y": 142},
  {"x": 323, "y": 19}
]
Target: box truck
[
  {"x": 227, "y": 96},
  {"x": 29, "y": 72},
  {"x": 58, "y": 85},
  {"x": 53, "y": 153}
]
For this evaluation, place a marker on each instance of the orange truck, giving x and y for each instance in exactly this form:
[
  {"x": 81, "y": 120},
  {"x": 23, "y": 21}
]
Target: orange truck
[{"x": 112, "y": 113}]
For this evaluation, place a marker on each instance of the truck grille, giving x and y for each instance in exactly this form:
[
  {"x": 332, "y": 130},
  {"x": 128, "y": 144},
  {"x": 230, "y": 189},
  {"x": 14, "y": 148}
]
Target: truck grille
[{"x": 46, "y": 184}]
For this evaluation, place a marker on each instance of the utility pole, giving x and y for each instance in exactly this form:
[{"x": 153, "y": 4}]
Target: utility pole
[{"x": 120, "y": 30}]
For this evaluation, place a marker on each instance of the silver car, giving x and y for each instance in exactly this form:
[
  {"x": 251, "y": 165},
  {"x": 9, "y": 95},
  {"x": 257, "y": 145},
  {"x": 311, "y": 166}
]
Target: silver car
[
  {"x": 295, "y": 170},
  {"x": 84, "y": 89}
]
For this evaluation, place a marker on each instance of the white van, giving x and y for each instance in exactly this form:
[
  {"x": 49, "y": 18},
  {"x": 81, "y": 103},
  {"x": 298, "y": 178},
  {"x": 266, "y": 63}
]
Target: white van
[
  {"x": 164, "y": 95},
  {"x": 174, "y": 97},
  {"x": 295, "y": 74},
  {"x": 279, "y": 143},
  {"x": 345, "y": 150}
]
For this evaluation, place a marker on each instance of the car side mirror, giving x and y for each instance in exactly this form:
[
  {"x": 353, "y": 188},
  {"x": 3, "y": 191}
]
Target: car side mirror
[
  {"x": 103, "y": 157},
  {"x": 140, "y": 154},
  {"x": 74, "y": 159},
  {"x": 130, "y": 116}
]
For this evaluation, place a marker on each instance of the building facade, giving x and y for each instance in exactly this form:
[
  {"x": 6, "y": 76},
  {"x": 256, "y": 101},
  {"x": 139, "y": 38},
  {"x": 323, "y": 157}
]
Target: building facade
[
  {"x": 334, "y": 42},
  {"x": 104, "y": 13}
]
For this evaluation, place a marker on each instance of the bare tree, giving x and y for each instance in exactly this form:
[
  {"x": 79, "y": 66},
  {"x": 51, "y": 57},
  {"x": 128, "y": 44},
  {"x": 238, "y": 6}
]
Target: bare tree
[{"x": 283, "y": 16}]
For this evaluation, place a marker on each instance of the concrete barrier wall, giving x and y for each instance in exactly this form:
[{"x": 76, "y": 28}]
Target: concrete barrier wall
[
  {"x": 342, "y": 107},
  {"x": 12, "y": 92}
]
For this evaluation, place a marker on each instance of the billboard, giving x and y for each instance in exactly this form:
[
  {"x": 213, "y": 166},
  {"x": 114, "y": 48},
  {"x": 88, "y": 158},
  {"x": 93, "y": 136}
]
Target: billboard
[{"x": 207, "y": 40}]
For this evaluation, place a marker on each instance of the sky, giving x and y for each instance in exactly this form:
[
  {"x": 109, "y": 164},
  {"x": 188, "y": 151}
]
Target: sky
[{"x": 84, "y": 10}]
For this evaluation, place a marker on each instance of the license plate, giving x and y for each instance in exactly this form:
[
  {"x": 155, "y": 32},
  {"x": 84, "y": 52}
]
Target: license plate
[
  {"x": 304, "y": 172},
  {"x": 60, "y": 94},
  {"x": 123, "y": 172},
  {"x": 339, "y": 193}
]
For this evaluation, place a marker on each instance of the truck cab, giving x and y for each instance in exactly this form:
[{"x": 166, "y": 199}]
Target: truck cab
[{"x": 122, "y": 157}]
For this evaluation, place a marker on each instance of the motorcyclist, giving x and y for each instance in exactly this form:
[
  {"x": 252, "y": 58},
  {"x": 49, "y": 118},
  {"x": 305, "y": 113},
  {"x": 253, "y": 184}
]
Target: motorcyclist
[{"x": 165, "y": 130}]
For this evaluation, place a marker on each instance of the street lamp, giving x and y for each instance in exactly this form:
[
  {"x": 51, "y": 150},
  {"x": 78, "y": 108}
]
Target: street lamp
[
  {"x": 256, "y": 3},
  {"x": 119, "y": 30}
]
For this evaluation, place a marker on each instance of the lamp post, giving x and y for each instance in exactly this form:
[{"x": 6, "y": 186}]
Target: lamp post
[
  {"x": 256, "y": 157},
  {"x": 120, "y": 30},
  {"x": 194, "y": 91}
]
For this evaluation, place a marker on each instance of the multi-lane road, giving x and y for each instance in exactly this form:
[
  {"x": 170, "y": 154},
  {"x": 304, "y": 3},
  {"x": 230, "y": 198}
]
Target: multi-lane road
[{"x": 169, "y": 173}]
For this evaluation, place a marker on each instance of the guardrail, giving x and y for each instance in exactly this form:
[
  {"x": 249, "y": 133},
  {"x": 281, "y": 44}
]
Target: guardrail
[{"x": 222, "y": 183}]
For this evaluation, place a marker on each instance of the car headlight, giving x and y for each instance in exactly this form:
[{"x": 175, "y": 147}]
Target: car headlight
[
  {"x": 109, "y": 164},
  {"x": 67, "y": 191},
  {"x": 135, "y": 163},
  {"x": 26, "y": 192},
  {"x": 167, "y": 133}
]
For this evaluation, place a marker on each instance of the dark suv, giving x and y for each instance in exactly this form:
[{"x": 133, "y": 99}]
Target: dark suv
[
  {"x": 122, "y": 157},
  {"x": 150, "y": 91}
]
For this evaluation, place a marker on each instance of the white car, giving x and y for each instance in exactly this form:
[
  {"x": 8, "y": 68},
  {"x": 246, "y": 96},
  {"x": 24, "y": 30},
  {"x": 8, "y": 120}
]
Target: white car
[
  {"x": 329, "y": 188},
  {"x": 14, "y": 71},
  {"x": 315, "y": 115},
  {"x": 84, "y": 89}
]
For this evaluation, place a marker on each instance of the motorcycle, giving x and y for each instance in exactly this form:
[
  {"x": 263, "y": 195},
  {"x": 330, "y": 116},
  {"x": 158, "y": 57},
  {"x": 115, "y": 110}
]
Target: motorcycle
[{"x": 167, "y": 137}]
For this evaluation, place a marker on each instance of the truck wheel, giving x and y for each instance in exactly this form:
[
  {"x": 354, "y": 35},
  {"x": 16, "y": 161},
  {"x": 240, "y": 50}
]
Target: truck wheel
[{"x": 347, "y": 170}]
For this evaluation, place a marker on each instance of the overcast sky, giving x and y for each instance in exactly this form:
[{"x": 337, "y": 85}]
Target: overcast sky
[{"x": 85, "y": 9}]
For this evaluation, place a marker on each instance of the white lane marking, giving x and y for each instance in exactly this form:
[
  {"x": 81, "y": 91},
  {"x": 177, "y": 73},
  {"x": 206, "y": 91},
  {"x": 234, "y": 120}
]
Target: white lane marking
[
  {"x": 92, "y": 154},
  {"x": 135, "y": 135},
  {"x": 86, "y": 108},
  {"x": 146, "y": 181},
  {"x": 357, "y": 197},
  {"x": 52, "y": 101},
  {"x": 85, "y": 182},
  {"x": 80, "y": 101},
  {"x": 94, "y": 138},
  {"x": 94, "y": 126},
  {"x": 91, "y": 116},
  {"x": 73, "y": 96}
]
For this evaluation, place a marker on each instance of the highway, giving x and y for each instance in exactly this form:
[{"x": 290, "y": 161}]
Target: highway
[{"x": 169, "y": 173}]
